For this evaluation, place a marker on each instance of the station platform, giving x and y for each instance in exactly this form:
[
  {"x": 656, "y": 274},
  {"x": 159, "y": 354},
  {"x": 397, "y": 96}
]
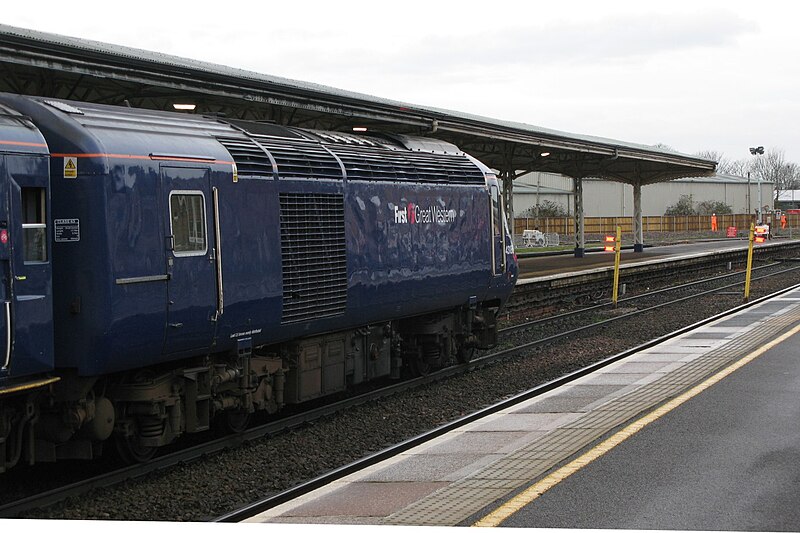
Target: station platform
[
  {"x": 538, "y": 265},
  {"x": 700, "y": 432}
]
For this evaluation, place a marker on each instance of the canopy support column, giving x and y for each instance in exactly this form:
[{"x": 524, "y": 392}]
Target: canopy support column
[
  {"x": 580, "y": 241},
  {"x": 638, "y": 233}
]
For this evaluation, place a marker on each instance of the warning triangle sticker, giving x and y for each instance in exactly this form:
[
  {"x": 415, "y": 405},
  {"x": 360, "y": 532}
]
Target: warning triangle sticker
[{"x": 70, "y": 167}]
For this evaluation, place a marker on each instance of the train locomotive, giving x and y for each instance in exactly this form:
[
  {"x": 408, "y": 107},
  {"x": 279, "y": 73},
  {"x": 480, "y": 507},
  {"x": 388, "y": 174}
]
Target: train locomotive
[{"x": 166, "y": 272}]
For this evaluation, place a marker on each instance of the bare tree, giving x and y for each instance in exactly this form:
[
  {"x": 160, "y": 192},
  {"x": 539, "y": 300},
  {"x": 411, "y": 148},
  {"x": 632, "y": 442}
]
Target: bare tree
[
  {"x": 793, "y": 178},
  {"x": 662, "y": 146},
  {"x": 711, "y": 154},
  {"x": 772, "y": 166},
  {"x": 735, "y": 168},
  {"x": 724, "y": 165}
]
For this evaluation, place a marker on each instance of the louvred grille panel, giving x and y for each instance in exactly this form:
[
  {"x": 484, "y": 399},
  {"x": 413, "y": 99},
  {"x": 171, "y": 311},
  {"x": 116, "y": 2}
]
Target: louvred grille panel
[
  {"x": 366, "y": 163},
  {"x": 314, "y": 256},
  {"x": 301, "y": 159},
  {"x": 250, "y": 159}
]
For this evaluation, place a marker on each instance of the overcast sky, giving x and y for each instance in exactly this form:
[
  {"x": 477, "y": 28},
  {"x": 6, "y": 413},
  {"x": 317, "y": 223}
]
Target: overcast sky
[{"x": 694, "y": 75}]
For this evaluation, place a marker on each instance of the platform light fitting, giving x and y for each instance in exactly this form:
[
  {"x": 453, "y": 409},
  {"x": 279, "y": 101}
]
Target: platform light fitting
[
  {"x": 359, "y": 128},
  {"x": 184, "y": 107},
  {"x": 544, "y": 154}
]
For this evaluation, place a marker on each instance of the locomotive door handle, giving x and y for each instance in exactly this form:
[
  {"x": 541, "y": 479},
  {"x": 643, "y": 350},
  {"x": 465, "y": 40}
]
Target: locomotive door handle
[
  {"x": 7, "y": 360},
  {"x": 176, "y": 325},
  {"x": 216, "y": 252}
]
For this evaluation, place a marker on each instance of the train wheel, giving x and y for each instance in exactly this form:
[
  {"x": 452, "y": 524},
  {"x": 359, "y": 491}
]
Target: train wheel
[
  {"x": 130, "y": 446},
  {"x": 232, "y": 421},
  {"x": 464, "y": 354},
  {"x": 417, "y": 363},
  {"x": 132, "y": 452}
]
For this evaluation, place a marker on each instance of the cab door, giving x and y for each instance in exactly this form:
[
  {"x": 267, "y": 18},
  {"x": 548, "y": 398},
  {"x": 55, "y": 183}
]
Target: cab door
[
  {"x": 26, "y": 314},
  {"x": 190, "y": 256}
]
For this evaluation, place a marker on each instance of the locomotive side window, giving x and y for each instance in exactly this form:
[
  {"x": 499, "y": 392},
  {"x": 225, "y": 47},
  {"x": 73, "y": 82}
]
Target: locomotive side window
[
  {"x": 496, "y": 213},
  {"x": 188, "y": 220},
  {"x": 34, "y": 225},
  {"x": 498, "y": 240}
]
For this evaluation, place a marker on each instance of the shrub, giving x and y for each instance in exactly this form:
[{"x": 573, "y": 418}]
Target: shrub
[
  {"x": 709, "y": 207},
  {"x": 685, "y": 206},
  {"x": 547, "y": 209}
]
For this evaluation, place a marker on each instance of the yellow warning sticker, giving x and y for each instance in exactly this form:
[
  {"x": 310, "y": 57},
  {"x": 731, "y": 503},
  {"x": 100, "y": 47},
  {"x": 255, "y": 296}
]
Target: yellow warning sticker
[{"x": 70, "y": 167}]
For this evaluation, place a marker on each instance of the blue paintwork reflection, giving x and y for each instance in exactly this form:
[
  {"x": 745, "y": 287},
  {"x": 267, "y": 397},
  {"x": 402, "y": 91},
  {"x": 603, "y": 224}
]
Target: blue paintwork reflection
[{"x": 411, "y": 248}]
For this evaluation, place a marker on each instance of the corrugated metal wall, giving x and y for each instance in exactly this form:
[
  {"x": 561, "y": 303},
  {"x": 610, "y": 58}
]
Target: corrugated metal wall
[{"x": 611, "y": 199}]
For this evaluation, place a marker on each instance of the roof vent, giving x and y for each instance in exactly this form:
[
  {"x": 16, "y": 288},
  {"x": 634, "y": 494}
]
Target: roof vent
[{"x": 250, "y": 159}]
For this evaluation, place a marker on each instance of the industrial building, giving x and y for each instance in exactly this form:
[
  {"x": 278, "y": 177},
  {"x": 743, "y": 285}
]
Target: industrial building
[{"x": 604, "y": 198}]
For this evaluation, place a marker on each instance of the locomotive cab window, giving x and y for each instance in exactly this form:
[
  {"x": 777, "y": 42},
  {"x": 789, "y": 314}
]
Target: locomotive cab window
[
  {"x": 188, "y": 223},
  {"x": 498, "y": 240},
  {"x": 497, "y": 214},
  {"x": 34, "y": 225}
]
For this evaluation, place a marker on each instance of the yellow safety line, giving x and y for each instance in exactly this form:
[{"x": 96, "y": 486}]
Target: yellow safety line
[{"x": 496, "y": 517}]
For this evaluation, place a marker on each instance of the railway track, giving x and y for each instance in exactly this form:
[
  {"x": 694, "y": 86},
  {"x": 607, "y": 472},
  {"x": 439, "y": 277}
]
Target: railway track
[
  {"x": 23, "y": 507},
  {"x": 593, "y": 285},
  {"x": 654, "y": 298}
]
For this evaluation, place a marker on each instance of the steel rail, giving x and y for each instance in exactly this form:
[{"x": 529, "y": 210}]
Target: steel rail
[{"x": 675, "y": 288}]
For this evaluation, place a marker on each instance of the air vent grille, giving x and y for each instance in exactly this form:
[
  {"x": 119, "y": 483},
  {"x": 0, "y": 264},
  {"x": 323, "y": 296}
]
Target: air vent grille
[
  {"x": 301, "y": 159},
  {"x": 314, "y": 256},
  {"x": 366, "y": 163},
  {"x": 250, "y": 159}
]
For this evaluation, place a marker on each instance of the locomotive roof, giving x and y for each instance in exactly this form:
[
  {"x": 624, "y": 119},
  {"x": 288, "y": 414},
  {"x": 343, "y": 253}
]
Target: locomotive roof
[
  {"x": 19, "y": 133},
  {"x": 258, "y": 149},
  {"x": 102, "y": 116}
]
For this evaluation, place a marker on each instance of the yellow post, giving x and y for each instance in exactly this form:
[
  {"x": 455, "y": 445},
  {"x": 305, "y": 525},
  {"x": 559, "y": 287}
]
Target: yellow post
[
  {"x": 616, "y": 264},
  {"x": 749, "y": 264}
]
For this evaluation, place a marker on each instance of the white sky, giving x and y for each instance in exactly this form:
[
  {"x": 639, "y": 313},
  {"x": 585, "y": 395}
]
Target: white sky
[{"x": 694, "y": 75}]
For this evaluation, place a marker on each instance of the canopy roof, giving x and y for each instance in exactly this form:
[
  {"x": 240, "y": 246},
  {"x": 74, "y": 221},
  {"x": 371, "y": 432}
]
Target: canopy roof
[{"x": 46, "y": 64}]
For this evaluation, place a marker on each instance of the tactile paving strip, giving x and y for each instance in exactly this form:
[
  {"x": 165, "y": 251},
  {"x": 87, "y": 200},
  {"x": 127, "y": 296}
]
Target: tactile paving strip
[{"x": 452, "y": 505}]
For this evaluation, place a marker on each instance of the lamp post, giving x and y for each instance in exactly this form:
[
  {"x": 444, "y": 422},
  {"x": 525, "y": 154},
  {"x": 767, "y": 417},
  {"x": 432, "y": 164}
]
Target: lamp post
[{"x": 757, "y": 151}]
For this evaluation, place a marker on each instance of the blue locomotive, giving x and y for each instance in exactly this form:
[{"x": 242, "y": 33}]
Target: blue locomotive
[{"x": 163, "y": 271}]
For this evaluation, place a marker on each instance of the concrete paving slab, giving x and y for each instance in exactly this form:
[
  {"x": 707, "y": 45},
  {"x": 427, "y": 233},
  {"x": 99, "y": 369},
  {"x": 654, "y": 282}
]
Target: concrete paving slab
[
  {"x": 366, "y": 499},
  {"x": 430, "y": 468},
  {"x": 520, "y": 421},
  {"x": 469, "y": 442}
]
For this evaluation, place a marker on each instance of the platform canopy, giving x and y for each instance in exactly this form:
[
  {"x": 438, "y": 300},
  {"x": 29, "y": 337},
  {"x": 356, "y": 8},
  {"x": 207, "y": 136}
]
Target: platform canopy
[{"x": 45, "y": 64}]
